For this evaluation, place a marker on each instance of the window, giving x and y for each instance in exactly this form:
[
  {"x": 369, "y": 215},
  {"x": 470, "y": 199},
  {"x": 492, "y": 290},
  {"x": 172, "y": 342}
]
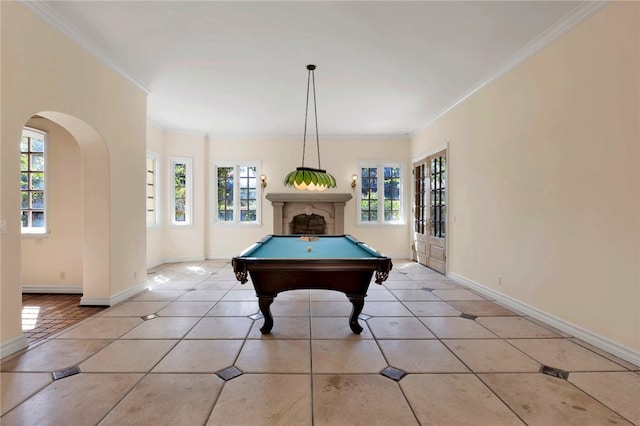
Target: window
[
  {"x": 238, "y": 193},
  {"x": 33, "y": 181},
  {"x": 438, "y": 200},
  {"x": 153, "y": 190},
  {"x": 381, "y": 194},
  {"x": 181, "y": 198}
]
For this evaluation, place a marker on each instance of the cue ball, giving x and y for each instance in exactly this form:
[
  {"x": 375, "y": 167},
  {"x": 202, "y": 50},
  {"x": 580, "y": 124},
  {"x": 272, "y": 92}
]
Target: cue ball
[{"x": 308, "y": 248}]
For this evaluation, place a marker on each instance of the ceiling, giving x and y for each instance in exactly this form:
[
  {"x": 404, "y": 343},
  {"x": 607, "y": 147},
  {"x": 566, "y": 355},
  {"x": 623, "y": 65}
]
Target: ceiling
[{"x": 238, "y": 68}]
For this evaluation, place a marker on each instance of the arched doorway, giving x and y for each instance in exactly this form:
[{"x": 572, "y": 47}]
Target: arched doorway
[
  {"x": 96, "y": 205},
  {"x": 94, "y": 218}
]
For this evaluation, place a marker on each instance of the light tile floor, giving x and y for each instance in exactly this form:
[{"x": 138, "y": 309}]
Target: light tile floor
[{"x": 169, "y": 368}]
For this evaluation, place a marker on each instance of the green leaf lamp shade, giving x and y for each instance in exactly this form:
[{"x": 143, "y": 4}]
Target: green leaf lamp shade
[{"x": 305, "y": 178}]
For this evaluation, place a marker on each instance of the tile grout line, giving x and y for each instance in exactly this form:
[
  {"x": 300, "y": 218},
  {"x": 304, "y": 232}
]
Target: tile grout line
[
  {"x": 471, "y": 371},
  {"x": 313, "y": 420}
]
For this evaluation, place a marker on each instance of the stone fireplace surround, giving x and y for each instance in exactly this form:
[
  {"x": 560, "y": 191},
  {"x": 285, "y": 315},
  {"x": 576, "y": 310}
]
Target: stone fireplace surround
[{"x": 287, "y": 205}]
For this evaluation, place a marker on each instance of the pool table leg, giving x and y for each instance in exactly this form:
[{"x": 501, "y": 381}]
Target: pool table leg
[
  {"x": 358, "y": 304},
  {"x": 264, "y": 303}
]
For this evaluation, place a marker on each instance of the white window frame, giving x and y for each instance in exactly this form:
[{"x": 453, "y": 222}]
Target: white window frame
[
  {"x": 157, "y": 188},
  {"x": 39, "y": 232},
  {"x": 236, "y": 193},
  {"x": 403, "y": 201},
  {"x": 188, "y": 208}
]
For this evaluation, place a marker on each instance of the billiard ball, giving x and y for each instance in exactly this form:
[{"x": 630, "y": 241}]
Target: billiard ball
[{"x": 308, "y": 248}]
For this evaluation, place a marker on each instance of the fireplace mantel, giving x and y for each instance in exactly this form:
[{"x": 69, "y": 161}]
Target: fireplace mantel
[
  {"x": 307, "y": 197},
  {"x": 326, "y": 204}
]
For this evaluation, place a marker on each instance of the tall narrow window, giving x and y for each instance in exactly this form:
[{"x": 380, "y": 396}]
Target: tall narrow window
[
  {"x": 238, "y": 193},
  {"x": 438, "y": 211},
  {"x": 153, "y": 190},
  {"x": 392, "y": 202},
  {"x": 181, "y": 191},
  {"x": 369, "y": 194},
  {"x": 381, "y": 196},
  {"x": 248, "y": 179},
  {"x": 33, "y": 181},
  {"x": 225, "y": 194},
  {"x": 421, "y": 206}
]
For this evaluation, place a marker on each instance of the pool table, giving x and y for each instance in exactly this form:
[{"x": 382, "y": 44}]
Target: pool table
[{"x": 280, "y": 263}]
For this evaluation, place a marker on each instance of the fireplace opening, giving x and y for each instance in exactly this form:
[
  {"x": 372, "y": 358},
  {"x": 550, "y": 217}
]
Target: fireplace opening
[{"x": 308, "y": 224}]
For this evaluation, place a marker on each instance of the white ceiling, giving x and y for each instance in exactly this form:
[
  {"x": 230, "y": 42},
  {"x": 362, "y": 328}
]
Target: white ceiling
[{"x": 238, "y": 68}]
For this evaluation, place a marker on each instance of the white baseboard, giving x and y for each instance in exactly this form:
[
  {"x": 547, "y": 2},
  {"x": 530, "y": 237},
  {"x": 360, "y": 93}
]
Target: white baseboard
[
  {"x": 116, "y": 298},
  {"x": 227, "y": 258},
  {"x": 57, "y": 289},
  {"x": 183, "y": 259},
  {"x": 12, "y": 346},
  {"x": 174, "y": 260},
  {"x": 155, "y": 263},
  {"x": 594, "y": 339},
  {"x": 159, "y": 262}
]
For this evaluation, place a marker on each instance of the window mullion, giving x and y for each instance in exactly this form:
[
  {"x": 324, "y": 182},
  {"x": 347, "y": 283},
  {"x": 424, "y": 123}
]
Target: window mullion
[
  {"x": 381, "y": 199},
  {"x": 183, "y": 185},
  {"x": 236, "y": 193}
]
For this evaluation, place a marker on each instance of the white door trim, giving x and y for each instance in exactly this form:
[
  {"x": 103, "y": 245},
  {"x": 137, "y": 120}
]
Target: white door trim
[{"x": 444, "y": 147}]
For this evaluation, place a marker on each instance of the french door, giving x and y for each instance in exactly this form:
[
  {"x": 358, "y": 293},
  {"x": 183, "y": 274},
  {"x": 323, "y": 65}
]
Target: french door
[{"x": 430, "y": 211}]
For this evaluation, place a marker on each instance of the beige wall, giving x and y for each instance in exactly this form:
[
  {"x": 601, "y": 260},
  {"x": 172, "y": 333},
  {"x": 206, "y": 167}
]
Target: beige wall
[
  {"x": 43, "y": 72},
  {"x": 544, "y": 179},
  {"x": 185, "y": 242},
  {"x": 54, "y": 263},
  {"x": 278, "y": 157},
  {"x": 155, "y": 145}
]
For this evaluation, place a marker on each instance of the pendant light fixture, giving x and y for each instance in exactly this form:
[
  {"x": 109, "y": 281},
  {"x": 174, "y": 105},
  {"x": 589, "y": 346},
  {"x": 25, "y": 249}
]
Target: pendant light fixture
[{"x": 307, "y": 178}]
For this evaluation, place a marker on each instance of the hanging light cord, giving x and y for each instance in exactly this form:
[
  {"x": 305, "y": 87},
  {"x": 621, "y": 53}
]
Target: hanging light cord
[
  {"x": 306, "y": 113},
  {"x": 311, "y": 79},
  {"x": 315, "y": 111}
]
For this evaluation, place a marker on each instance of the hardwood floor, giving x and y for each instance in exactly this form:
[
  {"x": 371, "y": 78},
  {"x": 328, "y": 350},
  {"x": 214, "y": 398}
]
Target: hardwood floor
[{"x": 46, "y": 314}]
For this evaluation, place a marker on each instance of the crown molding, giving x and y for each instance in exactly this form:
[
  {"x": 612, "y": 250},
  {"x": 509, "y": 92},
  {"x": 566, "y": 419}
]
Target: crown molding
[
  {"x": 212, "y": 135},
  {"x": 566, "y": 24},
  {"x": 41, "y": 9}
]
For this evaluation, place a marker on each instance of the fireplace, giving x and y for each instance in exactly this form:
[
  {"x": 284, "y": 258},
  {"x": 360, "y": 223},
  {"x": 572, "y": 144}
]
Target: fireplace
[
  {"x": 329, "y": 206},
  {"x": 311, "y": 224}
]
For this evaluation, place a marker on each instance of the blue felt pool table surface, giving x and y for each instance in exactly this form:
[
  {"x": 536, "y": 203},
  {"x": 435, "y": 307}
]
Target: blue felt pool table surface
[{"x": 322, "y": 247}]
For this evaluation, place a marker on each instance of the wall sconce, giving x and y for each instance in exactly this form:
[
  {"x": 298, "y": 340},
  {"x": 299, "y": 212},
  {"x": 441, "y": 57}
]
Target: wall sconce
[
  {"x": 263, "y": 179},
  {"x": 354, "y": 180}
]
